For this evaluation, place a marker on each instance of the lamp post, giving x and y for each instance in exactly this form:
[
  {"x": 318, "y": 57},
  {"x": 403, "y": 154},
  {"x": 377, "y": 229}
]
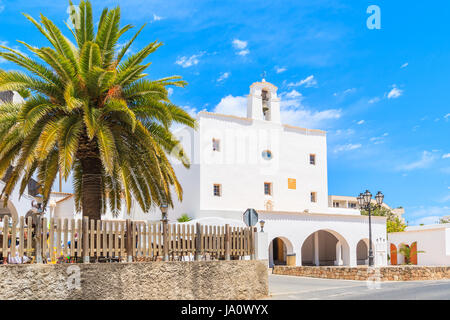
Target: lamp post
[
  {"x": 262, "y": 223},
  {"x": 164, "y": 208},
  {"x": 364, "y": 201}
]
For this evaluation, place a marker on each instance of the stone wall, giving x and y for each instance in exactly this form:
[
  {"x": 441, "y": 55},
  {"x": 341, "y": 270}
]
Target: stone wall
[
  {"x": 136, "y": 281},
  {"x": 391, "y": 273}
]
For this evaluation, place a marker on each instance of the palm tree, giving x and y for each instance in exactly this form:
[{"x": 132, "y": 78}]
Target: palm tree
[
  {"x": 184, "y": 218},
  {"x": 92, "y": 113}
]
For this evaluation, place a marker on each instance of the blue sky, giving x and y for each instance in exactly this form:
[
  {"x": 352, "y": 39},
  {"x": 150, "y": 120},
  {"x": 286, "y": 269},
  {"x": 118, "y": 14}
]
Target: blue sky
[{"x": 382, "y": 95}]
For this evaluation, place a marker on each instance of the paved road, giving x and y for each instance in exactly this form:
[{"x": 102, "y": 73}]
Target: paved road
[{"x": 300, "y": 288}]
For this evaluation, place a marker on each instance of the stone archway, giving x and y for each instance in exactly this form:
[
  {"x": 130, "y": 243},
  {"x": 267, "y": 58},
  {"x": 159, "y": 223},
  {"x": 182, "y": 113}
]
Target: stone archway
[
  {"x": 400, "y": 256},
  {"x": 325, "y": 248},
  {"x": 362, "y": 252},
  {"x": 10, "y": 210},
  {"x": 279, "y": 248}
]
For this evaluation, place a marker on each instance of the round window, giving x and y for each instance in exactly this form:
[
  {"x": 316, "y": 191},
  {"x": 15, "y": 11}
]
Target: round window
[{"x": 267, "y": 155}]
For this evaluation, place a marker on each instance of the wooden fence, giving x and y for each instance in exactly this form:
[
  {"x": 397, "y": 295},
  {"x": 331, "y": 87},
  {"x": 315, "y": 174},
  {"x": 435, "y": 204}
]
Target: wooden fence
[{"x": 70, "y": 240}]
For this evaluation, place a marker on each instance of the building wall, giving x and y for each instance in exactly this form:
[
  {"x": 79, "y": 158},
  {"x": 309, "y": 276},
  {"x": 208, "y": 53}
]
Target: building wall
[
  {"x": 434, "y": 242},
  {"x": 17, "y": 206},
  {"x": 398, "y": 273},
  {"x": 349, "y": 230},
  {"x": 241, "y": 170}
]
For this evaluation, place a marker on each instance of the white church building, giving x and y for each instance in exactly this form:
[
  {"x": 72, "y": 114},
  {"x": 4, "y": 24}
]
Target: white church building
[{"x": 279, "y": 170}]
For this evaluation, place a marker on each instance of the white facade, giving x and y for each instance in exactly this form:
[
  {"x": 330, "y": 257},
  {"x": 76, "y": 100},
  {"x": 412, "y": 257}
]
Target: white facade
[
  {"x": 433, "y": 243},
  {"x": 231, "y": 172}
]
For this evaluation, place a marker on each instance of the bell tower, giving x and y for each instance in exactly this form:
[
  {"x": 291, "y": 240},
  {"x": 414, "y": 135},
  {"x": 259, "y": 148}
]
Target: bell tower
[{"x": 263, "y": 103}]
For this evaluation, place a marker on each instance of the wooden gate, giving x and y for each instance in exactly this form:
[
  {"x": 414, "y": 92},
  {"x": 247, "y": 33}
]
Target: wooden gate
[
  {"x": 413, "y": 253},
  {"x": 393, "y": 254}
]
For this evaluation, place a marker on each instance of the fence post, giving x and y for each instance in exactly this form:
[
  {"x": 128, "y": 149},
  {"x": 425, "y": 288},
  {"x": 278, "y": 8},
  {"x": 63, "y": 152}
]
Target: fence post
[
  {"x": 5, "y": 233},
  {"x": 129, "y": 244},
  {"x": 37, "y": 240},
  {"x": 85, "y": 240},
  {"x": 198, "y": 240},
  {"x": 227, "y": 242},
  {"x": 253, "y": 240},
  {"x": 165, "y": 240}
]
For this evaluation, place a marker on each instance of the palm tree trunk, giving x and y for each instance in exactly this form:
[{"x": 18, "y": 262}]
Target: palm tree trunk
[
  {"x": 91, "y": 197},
  {"x": 91, "y": 191}
]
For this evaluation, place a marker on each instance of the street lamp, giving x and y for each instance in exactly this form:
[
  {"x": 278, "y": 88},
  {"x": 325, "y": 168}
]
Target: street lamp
[
  {"x": 164, "y": 208},
  {"x": 364, "y": 201},
  {"x": 379, "y": 197},
  {"x": 262, "y": 223}
]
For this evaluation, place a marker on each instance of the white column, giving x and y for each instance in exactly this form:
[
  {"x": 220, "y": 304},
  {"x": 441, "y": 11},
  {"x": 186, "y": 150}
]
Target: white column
[
  {"x": 262, "y": 246},
  {"x": 352, "y": 256},
  {"x": 338, "y": 261},
  {"x": 316, "y": 249}
]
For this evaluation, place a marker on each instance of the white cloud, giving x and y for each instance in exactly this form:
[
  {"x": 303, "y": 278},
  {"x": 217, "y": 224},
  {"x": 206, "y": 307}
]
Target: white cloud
[
  {"x": 307, "y": 82},
  {"x": 425, "y": 161},
  {"x": 447, "y": 116},
  {"x": 292, "y": 94},
  {"x": 347, "y": 147},
  {"x": 394, "y": 93},
  {"x": 170, "y": 91},
  {"x": 224, "y": 76},
  {"x": 243, "y": 52},
  {"x": 446, "y": 156},
  {"x": 360, "y": 122},
  {"x": 241, "y": 47},
  {"x": 425, "y": 221},
  {"x": 240, "y": 44},
  {"x": 191, "y": 110},
  {"x": 187, "y": 62},
  {"x": 300, "y": 116},
  {"x": 404, "y": 65},
  {"x": 236, "y": 106},
  {"x": 379, "y": 140},
  {"x": 157, "y": 18},
  {"x": 345, "y": 92},
  {"x": 374, "y": 100},
  {"x": 293, "y": 112},
  {"x": 345, "y": 133},
  {"x": 280, "y": 69},
  {"x": 427, "y": 215}
]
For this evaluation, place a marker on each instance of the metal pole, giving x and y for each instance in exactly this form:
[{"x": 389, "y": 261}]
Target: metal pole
[
  {"x": 370, "y": 238},
  {"x": 129, "y": 243}
]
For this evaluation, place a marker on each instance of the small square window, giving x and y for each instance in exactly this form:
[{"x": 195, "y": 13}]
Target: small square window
[
  {"x": 312, "y": 159},
  {"x": 268, "y": 188},
  {"x": 217, "y": 190},
  {"x": 314, "y": 197},
  {"x": 216, "y": 144}
]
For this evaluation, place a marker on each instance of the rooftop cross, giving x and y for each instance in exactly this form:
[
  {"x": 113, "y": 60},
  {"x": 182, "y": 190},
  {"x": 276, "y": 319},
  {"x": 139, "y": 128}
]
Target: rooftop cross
[{"x": 263, "y": 76}]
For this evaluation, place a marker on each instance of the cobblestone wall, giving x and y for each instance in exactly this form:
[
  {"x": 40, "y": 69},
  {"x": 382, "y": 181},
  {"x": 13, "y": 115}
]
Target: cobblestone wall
[
  {"x": 391, "y": 273},
  {"x": 129, "y": 281}
]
